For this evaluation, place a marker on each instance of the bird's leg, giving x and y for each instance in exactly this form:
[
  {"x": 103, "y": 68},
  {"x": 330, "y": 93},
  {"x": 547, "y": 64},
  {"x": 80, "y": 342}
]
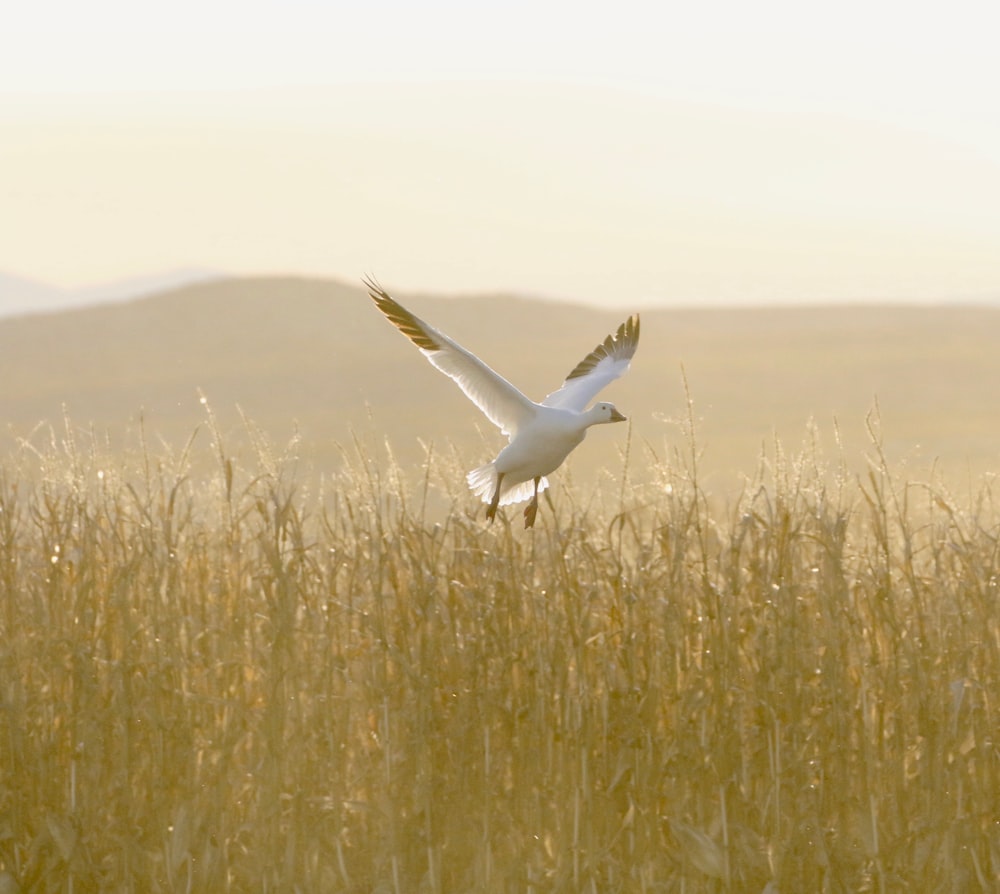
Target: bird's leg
[
  {"x": 532, "y": 508},
  {"x": 491, "y": 510}
]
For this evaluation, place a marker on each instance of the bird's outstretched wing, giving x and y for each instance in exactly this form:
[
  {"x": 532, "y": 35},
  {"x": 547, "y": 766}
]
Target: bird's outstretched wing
[
  {"x": 609, "y": 360},
  {"x": 503, "y": 404}
]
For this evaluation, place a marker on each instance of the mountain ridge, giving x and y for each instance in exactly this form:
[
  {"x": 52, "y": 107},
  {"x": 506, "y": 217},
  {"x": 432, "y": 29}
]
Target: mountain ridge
[{"x": 21, "y": 296}]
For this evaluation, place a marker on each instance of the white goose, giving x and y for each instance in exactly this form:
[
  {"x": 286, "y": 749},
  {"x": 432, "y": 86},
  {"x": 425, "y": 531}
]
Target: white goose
[{"x": 542, "y": 434}]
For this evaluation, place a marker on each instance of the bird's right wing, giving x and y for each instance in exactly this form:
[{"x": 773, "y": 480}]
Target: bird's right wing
[
  {"x": 503, "y": 404},
  {"x": 604, "y": 364}
]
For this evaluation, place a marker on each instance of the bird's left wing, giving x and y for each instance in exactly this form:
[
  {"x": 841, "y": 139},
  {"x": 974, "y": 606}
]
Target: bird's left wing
[
  {"x": 501, "y": 402},
  {"x": 609, "y": 360}
]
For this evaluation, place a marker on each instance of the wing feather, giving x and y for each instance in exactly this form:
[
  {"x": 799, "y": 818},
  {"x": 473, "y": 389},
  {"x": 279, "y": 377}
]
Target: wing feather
[
  {"x": 609, "y": 360},
  {"x": 503, "y": 404}
]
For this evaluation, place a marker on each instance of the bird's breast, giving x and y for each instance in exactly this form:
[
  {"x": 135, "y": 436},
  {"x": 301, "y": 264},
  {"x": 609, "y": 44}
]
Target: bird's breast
[{"x": 538, "y": 449}]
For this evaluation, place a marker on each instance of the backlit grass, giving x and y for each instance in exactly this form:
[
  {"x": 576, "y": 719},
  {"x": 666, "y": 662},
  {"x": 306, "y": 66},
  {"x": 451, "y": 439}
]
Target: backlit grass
[{"x": 238, "y": 683}]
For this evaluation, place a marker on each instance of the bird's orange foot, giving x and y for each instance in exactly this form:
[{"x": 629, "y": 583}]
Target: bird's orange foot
[
  {"x": 530, "y": 511},
  {"x": 491, "y": 510}
]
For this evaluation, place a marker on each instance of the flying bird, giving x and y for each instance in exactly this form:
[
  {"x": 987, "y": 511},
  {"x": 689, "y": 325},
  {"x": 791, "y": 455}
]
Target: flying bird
[{"x": 541, "y": 435}]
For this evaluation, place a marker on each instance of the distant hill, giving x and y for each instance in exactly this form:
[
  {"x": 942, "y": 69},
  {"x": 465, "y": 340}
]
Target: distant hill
[
  {"x": 314, "y": 356},
  {"x": 19, "y": 296}
]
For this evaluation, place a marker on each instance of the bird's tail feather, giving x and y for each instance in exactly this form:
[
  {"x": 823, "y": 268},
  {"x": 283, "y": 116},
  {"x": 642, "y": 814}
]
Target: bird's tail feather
[{"x": 483, "y": 482}]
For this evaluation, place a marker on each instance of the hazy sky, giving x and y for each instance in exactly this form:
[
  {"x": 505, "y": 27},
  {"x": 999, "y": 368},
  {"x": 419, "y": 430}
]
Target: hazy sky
[{"x": 629, "y": 153}]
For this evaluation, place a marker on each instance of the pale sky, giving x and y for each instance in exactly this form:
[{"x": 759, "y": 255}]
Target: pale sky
[{"x": 628, "y": 153}]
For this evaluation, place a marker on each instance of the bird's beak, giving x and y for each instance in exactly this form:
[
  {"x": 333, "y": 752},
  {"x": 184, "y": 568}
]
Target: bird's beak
[{"x": 617, "y": 417}]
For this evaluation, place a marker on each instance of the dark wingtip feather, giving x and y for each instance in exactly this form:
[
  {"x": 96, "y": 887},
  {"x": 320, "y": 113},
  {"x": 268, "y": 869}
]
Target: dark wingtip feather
[
  {"x": 415, "y": 329},
  {"x": 622, "y": 344}
]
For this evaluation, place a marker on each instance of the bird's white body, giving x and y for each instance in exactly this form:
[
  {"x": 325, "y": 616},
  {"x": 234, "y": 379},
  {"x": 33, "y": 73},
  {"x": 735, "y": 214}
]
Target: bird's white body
[
  {"x": 539, "y": 448},
  {"x": 542, "y": 434}
]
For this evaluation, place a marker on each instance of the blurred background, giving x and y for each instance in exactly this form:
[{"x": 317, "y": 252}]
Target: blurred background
[{"x": 802, "y": 202}]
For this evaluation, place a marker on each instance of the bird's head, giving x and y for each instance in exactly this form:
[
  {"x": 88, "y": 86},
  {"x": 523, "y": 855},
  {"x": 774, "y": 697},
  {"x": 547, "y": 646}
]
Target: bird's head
[{"x": 606, "y": 413}]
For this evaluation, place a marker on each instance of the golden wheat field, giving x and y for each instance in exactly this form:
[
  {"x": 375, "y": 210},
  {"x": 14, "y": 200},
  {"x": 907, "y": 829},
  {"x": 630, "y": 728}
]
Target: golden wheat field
[{"x": 242, "y": 682}]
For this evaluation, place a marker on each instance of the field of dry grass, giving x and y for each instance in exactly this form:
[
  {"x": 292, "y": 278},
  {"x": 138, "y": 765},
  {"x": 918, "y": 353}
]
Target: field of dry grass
[{"x": 239, "y": 683}]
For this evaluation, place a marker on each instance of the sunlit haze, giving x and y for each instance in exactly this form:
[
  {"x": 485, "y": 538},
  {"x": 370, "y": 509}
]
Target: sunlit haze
[{"x": 632, "y": 154}]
